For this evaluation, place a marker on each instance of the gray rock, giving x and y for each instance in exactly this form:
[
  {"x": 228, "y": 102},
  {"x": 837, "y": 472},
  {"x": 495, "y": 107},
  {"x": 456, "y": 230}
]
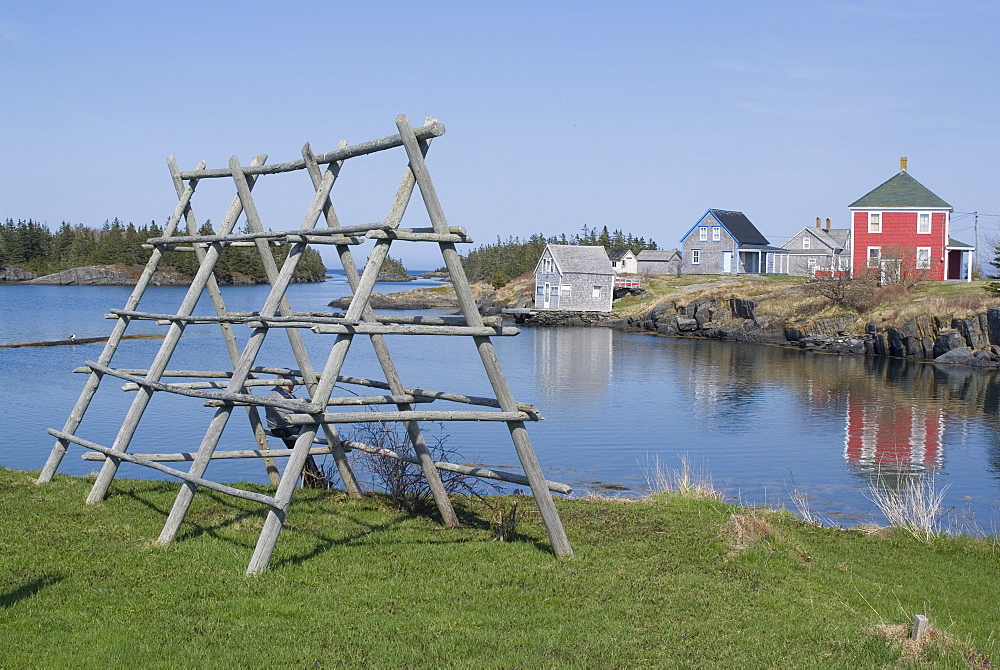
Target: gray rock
[{"x": 958, "y": 356}]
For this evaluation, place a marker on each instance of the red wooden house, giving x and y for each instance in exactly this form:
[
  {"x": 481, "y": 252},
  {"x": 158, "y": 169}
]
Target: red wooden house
[{"x": 901, "y": 226}]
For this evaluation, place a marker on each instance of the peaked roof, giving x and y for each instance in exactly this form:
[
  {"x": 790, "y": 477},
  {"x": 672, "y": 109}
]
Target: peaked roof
[
  {"x": 618, "y": 254},
  {"x": 901, "y": 191},
  {"x": 736, "y": 223},
  {"x": 658, "y": 255},
  {"x": 835, "y": 238},
  {"x": 578, "y": 258}
]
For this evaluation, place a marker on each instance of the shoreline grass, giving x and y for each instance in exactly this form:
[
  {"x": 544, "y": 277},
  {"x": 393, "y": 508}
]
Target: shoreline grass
[{"x": 671, "y": 581}]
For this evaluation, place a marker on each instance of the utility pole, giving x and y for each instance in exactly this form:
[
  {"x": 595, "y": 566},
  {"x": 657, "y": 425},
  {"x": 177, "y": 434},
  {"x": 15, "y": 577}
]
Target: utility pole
[{"x": 976, "y": 250}]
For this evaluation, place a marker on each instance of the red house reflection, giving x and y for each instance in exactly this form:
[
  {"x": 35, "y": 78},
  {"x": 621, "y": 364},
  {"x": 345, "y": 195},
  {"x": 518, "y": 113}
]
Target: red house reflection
[{"x": 895, "y": 438}]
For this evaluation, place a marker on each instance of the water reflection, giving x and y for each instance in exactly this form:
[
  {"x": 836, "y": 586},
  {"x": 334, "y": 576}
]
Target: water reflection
[{"x": 577, "y": 360}]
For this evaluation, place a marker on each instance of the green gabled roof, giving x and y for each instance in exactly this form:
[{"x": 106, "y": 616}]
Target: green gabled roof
[{"x": 901, "y": 191}]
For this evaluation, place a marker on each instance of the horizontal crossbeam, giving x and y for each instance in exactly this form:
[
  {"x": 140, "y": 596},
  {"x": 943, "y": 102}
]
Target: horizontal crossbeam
[
  {"x": 427, "y": 132},
  {"x": 428, "y": 415},
  {"x": 198, "y": 481}
]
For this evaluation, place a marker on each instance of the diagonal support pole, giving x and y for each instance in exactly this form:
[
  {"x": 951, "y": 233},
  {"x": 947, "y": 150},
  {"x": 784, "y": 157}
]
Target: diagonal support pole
[
  {"x": 519, "y": 434},
  {"x": 426, "y": 459}
]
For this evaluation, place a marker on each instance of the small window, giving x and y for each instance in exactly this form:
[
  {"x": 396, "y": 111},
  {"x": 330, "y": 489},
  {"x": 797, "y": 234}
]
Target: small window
[
  {"x": 874, "y": 222},
  {"x": 843, "y": 263},
  {"x": 806, "y": 242},
  {"x": 703, "y": 233},
  {"x": 555, "y": 290},
  {"x": 811, "y": 264},
  {"x": 596, "y": 292},
  {"x": 540, "y": 290},
  {"x": 716, "y": 233},
  {"x": 923, "y": 258},
  {"x": 695, "y": 256},
  {"x": 874, "y": 255},
  {"x": 566, "y": 289},
  {"x": 924, "y": 223},
  {"x": 547, "y": 265}
]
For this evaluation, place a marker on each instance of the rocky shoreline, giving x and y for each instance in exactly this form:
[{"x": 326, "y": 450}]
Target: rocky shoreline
[{"x": 974, "y": 341}]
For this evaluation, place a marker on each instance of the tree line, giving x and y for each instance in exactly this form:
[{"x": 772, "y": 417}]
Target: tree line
[
  {"x": 506, "y": 259},
  {"x": 32, "y": 246}
]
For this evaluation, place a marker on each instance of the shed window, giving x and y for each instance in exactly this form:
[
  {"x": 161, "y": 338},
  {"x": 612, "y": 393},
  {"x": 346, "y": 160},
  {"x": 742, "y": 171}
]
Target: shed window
[
  {"x": 695, "y": 256},
  {"x": 540, "y": 290},
  {"x": 716, "y": 233},
  {"x": 923, "y": 258},
  {"x": 555, "y": 289},
  {"x": 874, "y": 222},
  {"x": 703, "y": 233},
  {"x": 811, "y": 264},
  {"x": 843, "y": 263},
  {"x": 547, "y": 265},
  {"x": 596, "y": 293},
  {"x": 924, "y": 223},
  {"x": 566, "y": 289},
  {"x": 806, "y": 242}
]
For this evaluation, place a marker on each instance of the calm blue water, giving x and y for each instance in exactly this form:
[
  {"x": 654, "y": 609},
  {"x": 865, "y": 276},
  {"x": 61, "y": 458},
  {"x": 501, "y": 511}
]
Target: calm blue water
[{"x": 760, "y": 420}]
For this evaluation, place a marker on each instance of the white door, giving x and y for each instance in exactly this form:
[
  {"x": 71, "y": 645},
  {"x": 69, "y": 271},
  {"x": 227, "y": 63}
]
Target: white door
[
  {"x": 727, "y": 261},
  {"x": 548, "y": 293}
]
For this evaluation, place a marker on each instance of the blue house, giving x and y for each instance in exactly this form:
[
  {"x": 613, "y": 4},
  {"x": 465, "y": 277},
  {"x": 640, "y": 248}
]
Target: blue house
[{"x": 724, "y": 242}]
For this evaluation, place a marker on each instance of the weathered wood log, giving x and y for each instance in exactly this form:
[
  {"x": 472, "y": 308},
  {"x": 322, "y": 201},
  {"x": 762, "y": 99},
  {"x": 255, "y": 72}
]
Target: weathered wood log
[
  {"x": 408, "y": 236},
  {"x": 425, "y": 132},
  {"x": 344, "y": 401},
  {"x": 423, "y": 415},
  {"x": 242, "y": 398},
  {"x": 471, "y": 470},
  {"x": 218, "y": 455},
  {"x": 139, "y": 460},
  {"x": 265, "y": 235},
  {"x": 405, "y": 329}
]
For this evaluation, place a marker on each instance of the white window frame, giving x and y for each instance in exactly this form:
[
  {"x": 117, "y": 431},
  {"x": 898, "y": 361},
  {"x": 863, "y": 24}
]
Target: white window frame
[
  {"x": 844, "y": 263},
  {"x": 807, "y": 242},
  {"x": 925, "y": 263},
  {"x": 596, "y": 292},
  {"x": 702, "y": 233},
  {"x": 566, "y": 289},
  {"x": 547, "y": 265},
  {"x": 716, "y": 233},
  {"x": 921, "y": 220},
  {"x": 695, "y": 256},
  {"x": 874, "y": 222},
  {"x": 877, "y": 257},
  {"x": 811, "y": 264}
]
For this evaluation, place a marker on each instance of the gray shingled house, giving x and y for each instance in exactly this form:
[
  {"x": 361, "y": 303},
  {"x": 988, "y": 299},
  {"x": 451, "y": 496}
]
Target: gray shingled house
[
  {"x": 570, "y": 277},
  {"x": 724, "y": 242},
  {"x": 819, "y": 252}
]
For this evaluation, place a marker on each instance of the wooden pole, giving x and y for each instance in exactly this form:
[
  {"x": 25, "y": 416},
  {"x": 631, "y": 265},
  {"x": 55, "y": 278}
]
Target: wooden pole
[
  {"x": 519, "y": 435},
  {"x": 94, "y": 381},
  {"x": 174, "y": 332}
]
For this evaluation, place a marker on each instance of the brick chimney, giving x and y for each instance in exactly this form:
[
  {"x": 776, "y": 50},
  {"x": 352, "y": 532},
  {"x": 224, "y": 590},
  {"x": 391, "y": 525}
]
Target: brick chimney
[
  {"x": 902, "y": 163},
  {"x": 817, "y": 222},
  {"x": 828, "y": 223}
]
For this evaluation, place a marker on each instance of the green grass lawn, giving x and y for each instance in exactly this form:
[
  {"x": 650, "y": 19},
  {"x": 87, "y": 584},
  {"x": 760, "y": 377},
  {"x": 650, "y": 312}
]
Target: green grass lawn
[{"x": 665, "y": 582}]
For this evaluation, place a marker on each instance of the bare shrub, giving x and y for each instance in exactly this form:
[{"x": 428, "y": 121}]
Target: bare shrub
[
  {"x": 856, "y": 294},
  {"x": 403, "y": 481}
]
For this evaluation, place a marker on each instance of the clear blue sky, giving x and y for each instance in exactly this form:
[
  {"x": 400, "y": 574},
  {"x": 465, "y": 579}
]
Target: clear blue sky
[{"x": 559, "y": 115}]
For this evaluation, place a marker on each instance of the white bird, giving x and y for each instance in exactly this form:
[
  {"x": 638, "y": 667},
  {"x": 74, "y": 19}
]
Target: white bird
[{"x": 72, "y": 337}]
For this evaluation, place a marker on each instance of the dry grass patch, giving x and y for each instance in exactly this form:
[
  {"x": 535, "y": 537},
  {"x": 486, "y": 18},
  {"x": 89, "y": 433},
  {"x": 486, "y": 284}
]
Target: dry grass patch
[
  {"x": 933, "y": 645},
  {"x": 746, "y": 530}
]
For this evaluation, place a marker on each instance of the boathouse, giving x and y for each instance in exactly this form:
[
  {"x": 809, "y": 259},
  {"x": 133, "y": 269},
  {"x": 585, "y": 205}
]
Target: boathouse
[
  {"x": 571, "y": 277},
  {"x": 658, "y": 262}
]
